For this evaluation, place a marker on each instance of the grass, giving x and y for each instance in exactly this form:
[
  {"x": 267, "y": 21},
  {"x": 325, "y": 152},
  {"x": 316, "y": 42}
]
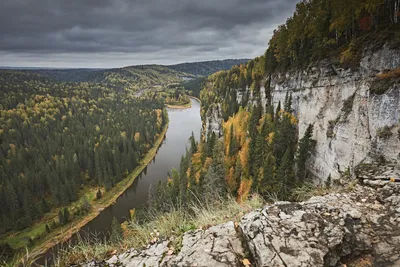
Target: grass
[
  {"x": 170, "y": 225},
  {"x": 63, "y": 233}
]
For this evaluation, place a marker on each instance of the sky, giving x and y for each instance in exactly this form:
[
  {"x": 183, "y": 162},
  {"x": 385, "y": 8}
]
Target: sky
[{"x": 117, "y": 33}]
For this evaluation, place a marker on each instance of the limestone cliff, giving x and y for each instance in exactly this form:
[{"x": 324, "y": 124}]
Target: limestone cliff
[{"x": 348, "y": 118}]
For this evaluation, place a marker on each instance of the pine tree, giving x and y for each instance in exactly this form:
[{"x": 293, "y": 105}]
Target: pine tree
[
  {"x": 44, "y": 206},
  {"x": 61, "y": 219},
  {"x": 66, "y": 215},
  {"x": 288, "y": 103},
  {"x": 211, "y": 144},
  {"x": 193, "y": 145},
  {"x": 233, "y": 146},
  {"x": 269, "y": 183},
  {"x": 99, "y": 194},
  {"x": 285, "y": 175},
  {"x": 278, "y": 110},
  {"x": 306, "y": 145},
  {"x": 183, "y": 179},
  {"x": 214, "y": 180},
  {"x": 238, "y": 172}
]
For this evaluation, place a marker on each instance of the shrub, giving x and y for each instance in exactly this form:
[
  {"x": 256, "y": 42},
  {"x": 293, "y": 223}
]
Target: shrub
[
  {"x": 385, "y": 132},
  {"x": 331, "y": 127},
  {"x": 350, "y": 57},
  {"x": 384, "y": 81}
]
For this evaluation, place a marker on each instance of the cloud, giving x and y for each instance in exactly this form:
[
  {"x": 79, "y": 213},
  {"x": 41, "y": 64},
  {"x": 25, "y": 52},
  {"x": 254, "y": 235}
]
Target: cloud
[{"x": 112, "y": 33}]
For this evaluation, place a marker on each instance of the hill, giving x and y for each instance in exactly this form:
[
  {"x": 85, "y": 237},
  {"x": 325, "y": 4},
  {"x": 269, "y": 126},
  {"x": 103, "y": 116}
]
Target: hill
[
  {"x": 143, "y": 74},
  {"x": 206, "y": 68}
]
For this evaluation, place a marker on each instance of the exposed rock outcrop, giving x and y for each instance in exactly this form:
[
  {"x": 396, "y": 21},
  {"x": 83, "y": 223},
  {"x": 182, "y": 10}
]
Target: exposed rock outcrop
[
  {"x": 348, "y": 119},
  {"x": 328, "y": 230},
  {"x": 218, "y": 246}
]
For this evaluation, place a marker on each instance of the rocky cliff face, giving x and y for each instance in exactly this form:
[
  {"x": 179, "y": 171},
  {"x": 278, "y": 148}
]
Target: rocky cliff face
[
  {"x": 357, "y": 225},
  {"x": 347, "y": 117}
]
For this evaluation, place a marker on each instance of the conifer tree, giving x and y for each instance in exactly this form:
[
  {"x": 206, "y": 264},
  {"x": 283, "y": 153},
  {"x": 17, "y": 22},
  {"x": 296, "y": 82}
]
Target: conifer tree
[
  {"x": 306, "y": 145},
  {"x": 61, "y": 219},
  {"x": 99, "y": 194},
  {"x": 193, "y": 145},
  {"x": 238, "y": 171},
  {"x": 233, "y": 146},
  {"x": 285, "y": 175},
  {"x": 66, "y": 215}
]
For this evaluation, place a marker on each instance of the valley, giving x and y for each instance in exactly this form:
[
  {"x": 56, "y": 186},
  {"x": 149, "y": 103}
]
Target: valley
[
  {"x": 57, "y": 217},
  {"x": 291, "y": 158}
]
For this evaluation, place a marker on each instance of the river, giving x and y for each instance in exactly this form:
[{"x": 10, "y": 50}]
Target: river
[{"x": 182, "y": 122}]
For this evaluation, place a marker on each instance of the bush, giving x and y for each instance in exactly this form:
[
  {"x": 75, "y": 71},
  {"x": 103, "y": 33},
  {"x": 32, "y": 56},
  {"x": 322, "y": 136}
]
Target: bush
[
  {"x": 331, "y": 127},
  {"x": 350, "y": 57},
  {"x": 384, "y": 81},
  {"x": 385, "y": 132}
]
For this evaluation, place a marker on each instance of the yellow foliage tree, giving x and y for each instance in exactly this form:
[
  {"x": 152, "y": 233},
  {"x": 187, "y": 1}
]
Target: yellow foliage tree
[{"x": 244, "y": 189}]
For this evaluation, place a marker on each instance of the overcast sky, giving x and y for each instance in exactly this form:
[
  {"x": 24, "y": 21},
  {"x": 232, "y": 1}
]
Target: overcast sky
[{"x": 116, "y": 33}]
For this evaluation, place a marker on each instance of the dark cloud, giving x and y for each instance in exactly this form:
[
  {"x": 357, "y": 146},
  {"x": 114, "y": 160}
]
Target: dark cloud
[{"x": 110, "y": 33}]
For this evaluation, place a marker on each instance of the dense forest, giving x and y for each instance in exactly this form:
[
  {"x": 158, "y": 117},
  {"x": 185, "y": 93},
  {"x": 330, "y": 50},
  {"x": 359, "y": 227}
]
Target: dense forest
[
  {"x": 132, "y": 77},
  {"x": 58, "y": 137},
  {"x": 337, "y": 29}
]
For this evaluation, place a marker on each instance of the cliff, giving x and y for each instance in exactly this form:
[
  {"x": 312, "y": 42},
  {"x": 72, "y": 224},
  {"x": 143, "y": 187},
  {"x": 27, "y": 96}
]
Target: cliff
[
  {"x": 354, "y": 122},
  {"x": 357, "y": 225}
]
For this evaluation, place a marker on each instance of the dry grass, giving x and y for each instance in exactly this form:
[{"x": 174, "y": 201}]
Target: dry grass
[
  {"x": 170, "y": 226},
  {"x": 308, "y": 190}
]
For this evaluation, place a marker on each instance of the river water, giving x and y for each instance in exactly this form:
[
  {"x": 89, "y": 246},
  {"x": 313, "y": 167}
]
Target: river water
[{"x": 182, "y": 122}]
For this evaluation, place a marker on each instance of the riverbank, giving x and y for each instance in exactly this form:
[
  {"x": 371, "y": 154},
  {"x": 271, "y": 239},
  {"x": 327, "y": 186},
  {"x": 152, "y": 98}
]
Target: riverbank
[
  {"x": 62, "y": 234},
  {"x": 195, "y": 98},
  {"x": 188, "y": 105}
]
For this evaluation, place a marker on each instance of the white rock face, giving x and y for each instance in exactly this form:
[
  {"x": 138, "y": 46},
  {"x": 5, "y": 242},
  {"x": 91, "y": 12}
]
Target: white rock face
[
  {"x": 319, "y": 95},
  {"x": 213, "y": 119}
]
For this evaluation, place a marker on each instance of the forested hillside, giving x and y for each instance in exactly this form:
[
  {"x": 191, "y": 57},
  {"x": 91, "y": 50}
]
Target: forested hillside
[
  {"x": 261, "y": 149},
  {"x": 132, "y": 77},
  {"x": 144, "y": 75},
  {"x": 58, "y": 138},
  {"x": 206, "y": 68}
]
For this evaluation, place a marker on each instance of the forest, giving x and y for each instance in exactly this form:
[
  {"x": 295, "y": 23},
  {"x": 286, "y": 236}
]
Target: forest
[
  {"x": 335, "y": 29},
  {"x": 58, "y": 138}
]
